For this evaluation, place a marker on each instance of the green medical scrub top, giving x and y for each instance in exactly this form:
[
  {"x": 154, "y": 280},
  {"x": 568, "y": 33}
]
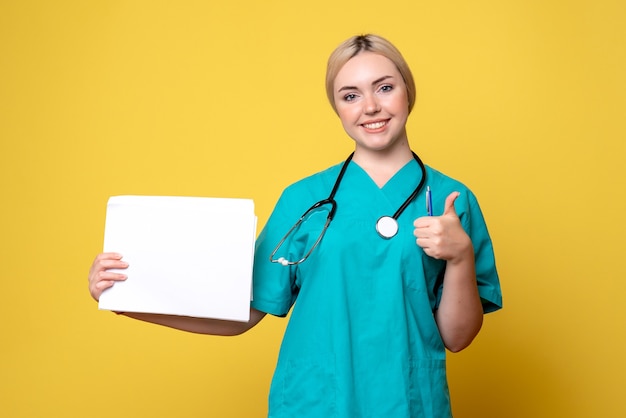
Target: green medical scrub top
[{"x": 361, "y": 339}]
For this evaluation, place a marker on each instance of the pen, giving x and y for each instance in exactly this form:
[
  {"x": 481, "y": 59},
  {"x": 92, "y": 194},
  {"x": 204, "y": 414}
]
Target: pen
[{"x": 429, "y": 201}]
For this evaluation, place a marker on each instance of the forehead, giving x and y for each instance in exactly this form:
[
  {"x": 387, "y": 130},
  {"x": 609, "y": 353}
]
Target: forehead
[{"x": 365, "y": 68}]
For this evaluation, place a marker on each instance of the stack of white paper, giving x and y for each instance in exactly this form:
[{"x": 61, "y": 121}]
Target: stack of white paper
[{"x": 188, "y": 256}]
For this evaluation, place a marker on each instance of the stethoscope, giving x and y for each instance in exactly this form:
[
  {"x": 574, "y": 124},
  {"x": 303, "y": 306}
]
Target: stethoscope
[{"x": 386, "y": 226}]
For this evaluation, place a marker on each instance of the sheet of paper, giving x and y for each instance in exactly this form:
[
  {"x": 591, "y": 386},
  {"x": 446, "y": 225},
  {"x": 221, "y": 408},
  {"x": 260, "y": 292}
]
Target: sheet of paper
[{"x": 188, "y": 256}]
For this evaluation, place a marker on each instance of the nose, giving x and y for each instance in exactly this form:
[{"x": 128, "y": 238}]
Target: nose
[{"x": 371, "y": 104}]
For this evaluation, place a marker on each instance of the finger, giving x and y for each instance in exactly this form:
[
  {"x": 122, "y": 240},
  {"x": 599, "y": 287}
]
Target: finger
[
  {"x": 422, "y": 236},
  {"x": 423, "y": 222},
  {"x": 109, "y": 256},
  {"x": 422, "y": 241},
  {"x": 105, "y": 284},
  {"x": 101, "y": 271},
  {"x": 96, "y": 289},
  {"x": 449, "y": 205},
  {"x": 113, "y": 264},
  {"x": 107, "y": 261},
  {"x": 110, "y": 276},
  {"x": 100, "y": 281}
]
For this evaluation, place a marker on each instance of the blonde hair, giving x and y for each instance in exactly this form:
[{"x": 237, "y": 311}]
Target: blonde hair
[{"x": 370, "y": 43}]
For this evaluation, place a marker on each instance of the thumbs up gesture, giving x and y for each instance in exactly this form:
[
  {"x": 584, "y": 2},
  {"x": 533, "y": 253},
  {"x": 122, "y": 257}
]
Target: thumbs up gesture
[{"x": 443, "y": 237}]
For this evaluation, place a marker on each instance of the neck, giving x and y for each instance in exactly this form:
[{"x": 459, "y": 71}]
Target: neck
[{"x": 382, "y": 165}]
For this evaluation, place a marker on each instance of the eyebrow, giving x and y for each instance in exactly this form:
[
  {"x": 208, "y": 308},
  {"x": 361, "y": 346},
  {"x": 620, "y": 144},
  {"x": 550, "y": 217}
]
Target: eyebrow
[{"x": 378, "y": 80}]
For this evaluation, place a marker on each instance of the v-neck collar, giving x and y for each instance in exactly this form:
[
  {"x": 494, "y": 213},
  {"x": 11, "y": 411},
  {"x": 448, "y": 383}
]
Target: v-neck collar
[{"x": 397, "y": 177}]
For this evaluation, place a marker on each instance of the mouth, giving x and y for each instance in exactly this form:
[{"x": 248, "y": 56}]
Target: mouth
[{"x": 375, "y": 125}]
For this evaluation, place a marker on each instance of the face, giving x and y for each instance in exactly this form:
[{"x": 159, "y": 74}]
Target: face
[{"x": 372, "y": 103}]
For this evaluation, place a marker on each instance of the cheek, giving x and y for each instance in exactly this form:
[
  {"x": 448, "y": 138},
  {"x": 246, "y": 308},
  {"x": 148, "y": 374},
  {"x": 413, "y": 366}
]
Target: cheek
[
  {"x": 346, "y": 115},
  {"x": 398, "y": 104}
]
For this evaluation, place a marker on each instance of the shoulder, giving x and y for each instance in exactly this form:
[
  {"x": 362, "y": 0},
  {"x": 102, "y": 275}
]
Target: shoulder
[
  {"x": 442, "y": 185},
  {"x": 436, "y": 178},
  {"x": 300, "y": 195},
  {"x": 294, "y": 201},
  {"x": 320, "y": 182}
]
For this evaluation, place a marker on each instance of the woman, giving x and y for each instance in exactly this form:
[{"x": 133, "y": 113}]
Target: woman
[{"x": 378, "y": 301}]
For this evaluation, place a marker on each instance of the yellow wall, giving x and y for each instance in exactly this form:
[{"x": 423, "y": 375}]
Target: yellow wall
[{"x": 524, "y": 100}]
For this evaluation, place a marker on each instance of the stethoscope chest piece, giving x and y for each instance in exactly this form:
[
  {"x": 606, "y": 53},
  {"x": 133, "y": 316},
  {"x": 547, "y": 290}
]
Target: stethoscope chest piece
[{"x": 387, "y": 227}]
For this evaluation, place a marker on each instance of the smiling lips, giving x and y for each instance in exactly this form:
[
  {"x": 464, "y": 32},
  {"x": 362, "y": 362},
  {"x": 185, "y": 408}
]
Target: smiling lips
[{"x": 372, "y": 126}]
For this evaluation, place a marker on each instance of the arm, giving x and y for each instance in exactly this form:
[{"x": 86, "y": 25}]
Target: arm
[
  {"x": 201, "y": 325},
  {"x": 460, "y": 312},
  {"x": 100, "y": 279}
]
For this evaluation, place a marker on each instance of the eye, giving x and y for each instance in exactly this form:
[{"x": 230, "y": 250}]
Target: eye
[
  {"x": 386, "y": 88},
  {"x": 349, "y": 97}
]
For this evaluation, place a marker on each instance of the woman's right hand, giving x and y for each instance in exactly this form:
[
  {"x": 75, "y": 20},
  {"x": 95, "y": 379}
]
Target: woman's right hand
[{"x": 100, "y": 278}]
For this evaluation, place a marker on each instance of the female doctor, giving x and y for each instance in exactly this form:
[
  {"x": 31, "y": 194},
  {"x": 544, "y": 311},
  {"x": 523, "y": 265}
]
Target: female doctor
[{"x": 381, "y": 277}]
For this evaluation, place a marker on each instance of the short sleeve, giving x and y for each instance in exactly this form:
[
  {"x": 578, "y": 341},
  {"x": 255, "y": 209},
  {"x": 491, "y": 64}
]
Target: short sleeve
[
  {"x": 273, "y": 284},
  {"x": 486, "y": 272},
  {"x": 487, "y": 278}
]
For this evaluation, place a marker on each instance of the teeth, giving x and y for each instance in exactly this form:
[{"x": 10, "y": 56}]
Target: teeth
[{"x": 375, "y": 125}]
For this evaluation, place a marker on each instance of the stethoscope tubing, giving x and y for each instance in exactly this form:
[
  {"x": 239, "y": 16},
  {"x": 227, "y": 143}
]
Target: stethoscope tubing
[
  {"x": 331, "y": 214},
  {"x": 419, "y": 187}
]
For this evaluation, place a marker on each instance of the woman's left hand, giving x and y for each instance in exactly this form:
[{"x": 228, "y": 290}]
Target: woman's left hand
[{"x": 443, "y": 237}]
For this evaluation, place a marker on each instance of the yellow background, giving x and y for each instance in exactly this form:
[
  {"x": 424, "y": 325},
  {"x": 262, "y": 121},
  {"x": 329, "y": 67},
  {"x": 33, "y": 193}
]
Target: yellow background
[{"x": 523, "y": 100}]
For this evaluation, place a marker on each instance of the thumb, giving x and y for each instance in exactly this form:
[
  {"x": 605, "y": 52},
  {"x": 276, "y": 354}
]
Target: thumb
[{"x": 449, "y": 205}]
